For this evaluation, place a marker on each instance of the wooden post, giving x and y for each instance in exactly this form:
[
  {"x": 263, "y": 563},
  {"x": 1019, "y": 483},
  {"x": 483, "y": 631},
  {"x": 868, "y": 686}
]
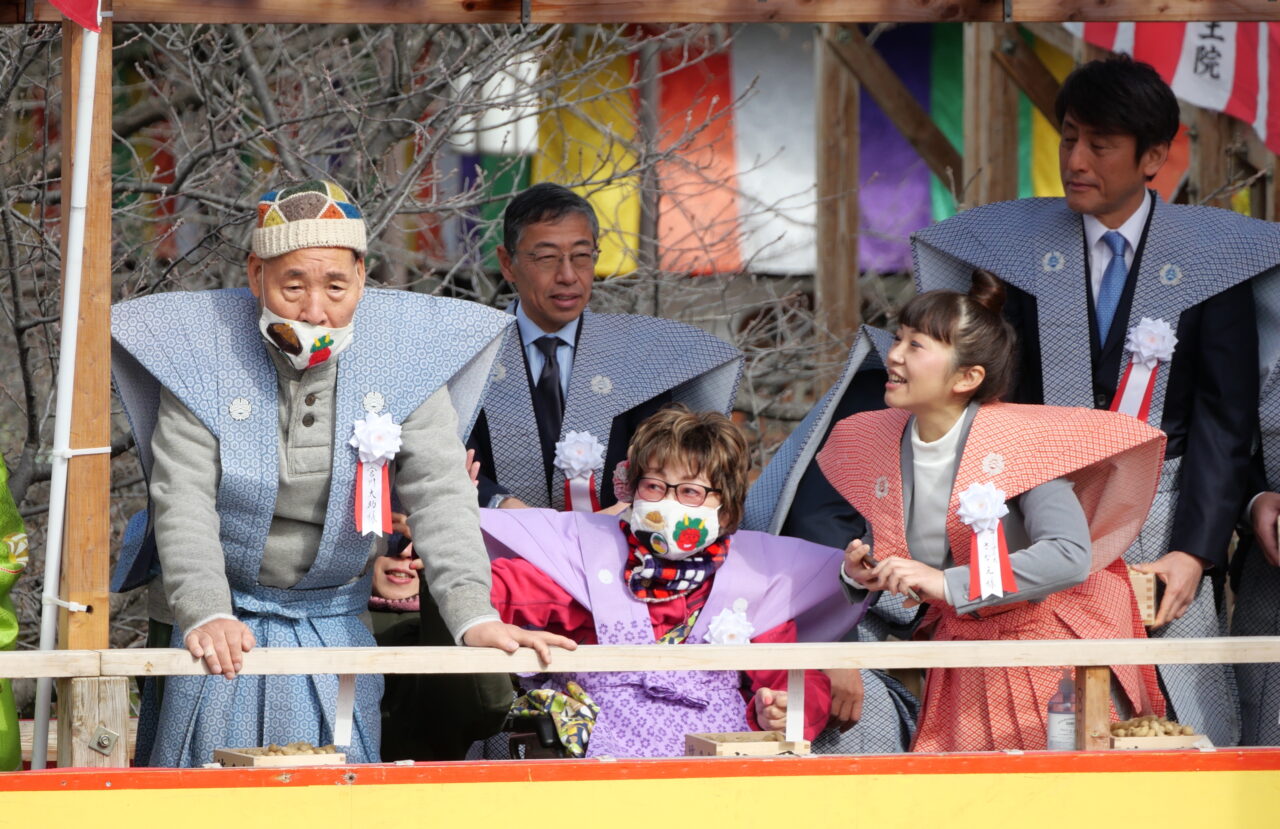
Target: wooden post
[
  {"x": 990, "y": 118},
  {"x": 836, "y": 280},
  {"x": 93, "y": 722},
  {"x": 1093, "y": 707},
  {"x": 1028, "y": 72},
  {"x": 1210, "y": 163},
  {"x": 87, "y": 553}
]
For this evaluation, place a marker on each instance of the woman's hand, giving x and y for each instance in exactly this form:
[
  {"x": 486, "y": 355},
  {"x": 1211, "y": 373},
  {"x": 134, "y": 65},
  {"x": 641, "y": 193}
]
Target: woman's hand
[
  {"x": 509, "y": 638},
  {"x": 771, "y": 709},
  {"x": 897, "y": 575},
  {"x": 858, "y": 562}
]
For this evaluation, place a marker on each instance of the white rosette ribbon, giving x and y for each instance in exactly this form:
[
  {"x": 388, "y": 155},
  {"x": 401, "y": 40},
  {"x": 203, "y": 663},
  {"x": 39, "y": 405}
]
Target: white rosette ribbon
[
  {"x": 981, "y": 507},
  {"x": 376, "y": 440},
  {"x": 578, "y": 456},
  {"x": 1149, "y": 343},
  {"x": 731, "y": 627}
]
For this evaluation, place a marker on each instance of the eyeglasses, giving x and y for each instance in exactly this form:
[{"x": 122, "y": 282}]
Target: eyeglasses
[
  {"x": 691, "y": 495},
  {"x": 549, "y": 263}
]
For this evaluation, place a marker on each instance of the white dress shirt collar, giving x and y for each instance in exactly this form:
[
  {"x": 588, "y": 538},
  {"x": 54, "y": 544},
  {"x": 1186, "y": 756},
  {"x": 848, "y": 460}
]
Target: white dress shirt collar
[
  {"x": 1100, "y": 254},
  {"x": 529, "y": 330},
  {"x": 1131, "y": 230}
]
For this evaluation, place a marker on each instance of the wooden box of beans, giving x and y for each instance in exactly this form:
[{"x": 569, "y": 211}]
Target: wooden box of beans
[
  {"x": 1151, "y": 733},
  {"x": 1144, "y": 590},
  {"x": 742, "y": 744},
  {"x": 291, "y": 754}
]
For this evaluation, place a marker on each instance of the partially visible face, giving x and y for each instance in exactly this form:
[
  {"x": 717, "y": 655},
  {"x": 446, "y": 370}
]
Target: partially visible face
[
  {"x": 1101, "y": 174},
  {"x": 922, "y": 371},
  {"x": 396, "y": 577},
  {"x": 320, "y": 286},
  {"x": 552, "y": 270}
]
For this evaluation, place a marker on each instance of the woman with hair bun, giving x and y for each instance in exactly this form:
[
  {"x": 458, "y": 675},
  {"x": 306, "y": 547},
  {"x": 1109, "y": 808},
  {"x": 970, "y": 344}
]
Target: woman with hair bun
[{"x": 1007, "y": 521}]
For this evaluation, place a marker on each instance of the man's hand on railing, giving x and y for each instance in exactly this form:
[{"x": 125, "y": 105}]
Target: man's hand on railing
[
  {"x": 509, "y": 638},
  {"x": 1265, "y": 513},
  {"x": 846, "y": 696},
  {"x": 221, "y": 643},
  {"x": 771, "y": 709}
]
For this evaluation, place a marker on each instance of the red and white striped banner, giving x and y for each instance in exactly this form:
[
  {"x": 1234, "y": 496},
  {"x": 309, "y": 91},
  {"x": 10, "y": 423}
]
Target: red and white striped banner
[{"x": 1233, "y": 68}]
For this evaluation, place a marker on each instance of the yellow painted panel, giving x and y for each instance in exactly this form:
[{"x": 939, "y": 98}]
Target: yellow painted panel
[
  {"x": 1169, "y": 800},
  {"x": 1045, "y": 180},
  {"x": 590, "y": 140}
]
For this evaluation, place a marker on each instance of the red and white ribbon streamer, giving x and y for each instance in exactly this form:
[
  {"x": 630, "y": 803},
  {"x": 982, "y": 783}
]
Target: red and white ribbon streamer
[
  {"x": 376, "y": 439},
  {"x": 580, "y": 494},
  {"x": 1149, "y": 343},
  {"x": 1136, "y": 388},
  {"x": 373, "y": 498},
  {"x": 990, "y": 571}
]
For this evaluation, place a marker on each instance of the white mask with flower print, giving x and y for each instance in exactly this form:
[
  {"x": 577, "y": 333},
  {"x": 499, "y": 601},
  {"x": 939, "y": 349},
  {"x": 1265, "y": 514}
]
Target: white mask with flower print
[{"x": 673, "y": 531}]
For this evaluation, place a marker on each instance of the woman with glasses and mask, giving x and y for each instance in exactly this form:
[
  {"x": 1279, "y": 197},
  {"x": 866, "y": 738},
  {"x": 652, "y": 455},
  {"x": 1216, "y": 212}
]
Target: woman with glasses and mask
[{"x": 671, "y": 571}]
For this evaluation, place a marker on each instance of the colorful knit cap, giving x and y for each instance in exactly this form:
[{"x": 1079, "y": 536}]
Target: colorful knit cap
[{"x": 313, "y": 214}]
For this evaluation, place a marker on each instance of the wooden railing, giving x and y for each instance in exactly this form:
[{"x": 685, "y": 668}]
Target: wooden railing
[{"x": 1090, "y": 657}]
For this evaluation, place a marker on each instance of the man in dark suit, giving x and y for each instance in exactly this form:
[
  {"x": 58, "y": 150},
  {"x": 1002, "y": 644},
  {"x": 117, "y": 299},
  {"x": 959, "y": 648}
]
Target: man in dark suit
[
  {"x": 1099, "y": 282},
  {"x": 571, "y": 386}
]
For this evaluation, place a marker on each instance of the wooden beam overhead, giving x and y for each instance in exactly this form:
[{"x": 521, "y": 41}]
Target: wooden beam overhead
[
  {"x": 658, "y": 11},
  {"x": 897, "y": 102},
  {"x": 541, "y": 11},
  {"x": 1026, "y": 70}
]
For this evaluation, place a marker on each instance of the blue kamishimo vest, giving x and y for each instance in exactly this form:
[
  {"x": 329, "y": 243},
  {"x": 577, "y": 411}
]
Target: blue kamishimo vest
[{"x": 405, "y": 347}]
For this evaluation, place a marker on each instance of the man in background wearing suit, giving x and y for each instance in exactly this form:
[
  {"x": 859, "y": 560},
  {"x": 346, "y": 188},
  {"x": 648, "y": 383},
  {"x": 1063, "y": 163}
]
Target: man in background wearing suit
[{"x": 570, "y": 386}]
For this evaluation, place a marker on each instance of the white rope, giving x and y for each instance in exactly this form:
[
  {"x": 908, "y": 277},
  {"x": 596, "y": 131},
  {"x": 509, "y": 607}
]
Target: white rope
[
  {"x": 71, "y": 453},
  {"x": 74, "y": 607}
]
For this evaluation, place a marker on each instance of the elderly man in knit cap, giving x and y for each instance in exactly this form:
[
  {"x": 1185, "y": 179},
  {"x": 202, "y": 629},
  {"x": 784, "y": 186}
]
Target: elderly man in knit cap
[{"x": 274, "y": 422}]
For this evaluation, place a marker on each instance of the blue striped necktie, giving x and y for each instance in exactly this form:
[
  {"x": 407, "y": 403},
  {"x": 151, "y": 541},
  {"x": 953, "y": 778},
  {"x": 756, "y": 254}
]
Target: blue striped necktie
[{"x": 1112, "y": 284}]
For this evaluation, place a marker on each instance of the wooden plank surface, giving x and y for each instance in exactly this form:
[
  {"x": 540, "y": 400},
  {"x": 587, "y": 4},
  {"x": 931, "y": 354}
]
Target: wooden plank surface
[
  {"x": 990, "y": 119},
  {"x": 173, "y": 662},
  {"x": 86, "y": 559},
  {"x": 27, "y": 730},
  {"x": 34, "y": 664},
  {"x": 542, "y": 11},
  {"x": 658, "y": 11},
  {"x": 1153, "y": 10},
  {"x": 87, "y": 705},
  {"x": 1093, "y": 707}
]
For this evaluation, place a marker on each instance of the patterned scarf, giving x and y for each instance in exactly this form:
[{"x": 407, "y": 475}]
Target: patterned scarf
[{"x": 655, "y": 579}]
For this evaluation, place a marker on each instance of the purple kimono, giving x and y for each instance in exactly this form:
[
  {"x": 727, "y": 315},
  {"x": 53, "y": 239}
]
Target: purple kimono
[{"x": 764, "y": 581}]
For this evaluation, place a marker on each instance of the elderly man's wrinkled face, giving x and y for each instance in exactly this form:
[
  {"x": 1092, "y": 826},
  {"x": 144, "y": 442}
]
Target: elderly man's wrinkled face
[{"x": 320, "y": 286}]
